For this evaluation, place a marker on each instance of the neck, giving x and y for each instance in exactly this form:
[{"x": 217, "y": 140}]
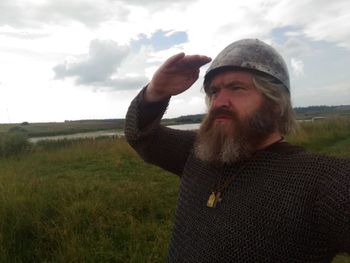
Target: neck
[{"x": 271, "y": 139}]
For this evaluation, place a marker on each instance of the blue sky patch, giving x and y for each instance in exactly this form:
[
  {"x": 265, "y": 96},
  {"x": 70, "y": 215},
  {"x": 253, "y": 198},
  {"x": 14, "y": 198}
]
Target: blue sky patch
[
  {"x": 279, "y": 34},
  {"x": 160, "y": 40}
]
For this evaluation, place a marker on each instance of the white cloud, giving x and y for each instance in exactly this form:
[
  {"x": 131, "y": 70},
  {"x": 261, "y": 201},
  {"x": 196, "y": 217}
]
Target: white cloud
[
  {"x": 333, "y": 94},
  {"x": 297, "y": 67},
  {"x": 317, "y": 19},
  {"x": 36, "y": 14},
  {"x": 36, "y": 36},
  {"x": 296, "y": 47},
  {"x": 97, "y": 67}
]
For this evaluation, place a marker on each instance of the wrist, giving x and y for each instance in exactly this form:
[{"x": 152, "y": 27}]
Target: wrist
[{"x": 150, "y": 95}]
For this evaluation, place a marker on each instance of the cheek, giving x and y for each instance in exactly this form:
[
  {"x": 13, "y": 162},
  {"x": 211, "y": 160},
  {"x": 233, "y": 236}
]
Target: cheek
[
  {"x": 208, "y": 102},
  {"x": 248, "y": 107}
]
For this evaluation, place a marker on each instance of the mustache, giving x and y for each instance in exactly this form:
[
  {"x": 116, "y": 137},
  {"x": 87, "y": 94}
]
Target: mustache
[
  {"x": 222, "y": 112},
  {"x": 212, "y": 114}
]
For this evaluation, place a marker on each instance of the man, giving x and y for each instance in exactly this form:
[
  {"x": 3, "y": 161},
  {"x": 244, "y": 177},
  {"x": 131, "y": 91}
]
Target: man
[{"x": 246, "y": 195}]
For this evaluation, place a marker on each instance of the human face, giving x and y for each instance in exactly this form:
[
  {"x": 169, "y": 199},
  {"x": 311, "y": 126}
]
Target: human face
[
  {"x": 239, "y": 120},
  {"x": 233, "y": 91}
]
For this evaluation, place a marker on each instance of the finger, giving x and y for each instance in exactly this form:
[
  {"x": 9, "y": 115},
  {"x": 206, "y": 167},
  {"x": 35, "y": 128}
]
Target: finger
[
  {"x": 173, "y": 59},
  {"x": 194, "y": 61},
  {"x": 200, "y": 58}
]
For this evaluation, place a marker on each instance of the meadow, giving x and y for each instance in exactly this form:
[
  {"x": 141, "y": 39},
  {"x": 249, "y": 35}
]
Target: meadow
[
  {"x": 61, "y": 128},
  {"x": 97, "y": 201}
]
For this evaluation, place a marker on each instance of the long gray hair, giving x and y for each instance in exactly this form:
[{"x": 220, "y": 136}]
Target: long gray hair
[{"x": 275, "y": 92}]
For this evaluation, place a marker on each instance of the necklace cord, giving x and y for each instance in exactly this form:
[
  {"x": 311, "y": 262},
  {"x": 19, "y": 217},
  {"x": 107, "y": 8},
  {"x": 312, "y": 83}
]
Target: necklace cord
[{"x": 219, "y": 189}]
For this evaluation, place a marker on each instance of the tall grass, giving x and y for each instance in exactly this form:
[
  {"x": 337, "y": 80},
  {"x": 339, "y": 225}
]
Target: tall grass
[
  {"x": 13, "y": 144},
  {"x": 330, "y": 136},
  {"x": 90, "y": 201},
  {"x": 96, "y": 201}
]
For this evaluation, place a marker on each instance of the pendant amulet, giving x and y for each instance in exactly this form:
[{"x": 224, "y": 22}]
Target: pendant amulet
[{"x": 211, "y": 200}]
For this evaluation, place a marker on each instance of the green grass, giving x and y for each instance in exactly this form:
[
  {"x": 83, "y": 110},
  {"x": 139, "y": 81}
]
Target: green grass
[
  {"x": 61, "y": 128},
  {"x": 13, "y": 144},
  {"x": 90, "y": 201},
  {"x": 328, "y": 137},
  {"x": 96, "y": 201}
]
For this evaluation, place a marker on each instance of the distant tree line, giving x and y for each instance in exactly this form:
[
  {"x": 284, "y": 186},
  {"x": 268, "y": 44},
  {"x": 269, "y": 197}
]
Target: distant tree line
[
  {"x": 74, "y": 126},
  {"x": 315, "y": 109},
  {"x": 302, "y": 112}
]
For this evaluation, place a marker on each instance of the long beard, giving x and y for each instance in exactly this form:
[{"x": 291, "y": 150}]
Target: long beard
[{"x": 234, "y": 140}]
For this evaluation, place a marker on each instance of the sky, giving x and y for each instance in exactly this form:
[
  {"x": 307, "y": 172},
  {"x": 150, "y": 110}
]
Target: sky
[{"x": 85, "y": 59}]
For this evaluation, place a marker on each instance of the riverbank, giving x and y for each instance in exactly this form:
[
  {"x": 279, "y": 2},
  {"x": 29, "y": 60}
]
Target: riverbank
[
  {"x": 104, "y": 133},
  {"x": 31, "y": 130},
  {"x": 96, "y": 134}
]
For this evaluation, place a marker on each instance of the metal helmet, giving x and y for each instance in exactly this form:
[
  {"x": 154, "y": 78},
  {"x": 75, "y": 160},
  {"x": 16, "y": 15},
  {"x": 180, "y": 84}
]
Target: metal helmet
[{"x": 251, "y": 55}]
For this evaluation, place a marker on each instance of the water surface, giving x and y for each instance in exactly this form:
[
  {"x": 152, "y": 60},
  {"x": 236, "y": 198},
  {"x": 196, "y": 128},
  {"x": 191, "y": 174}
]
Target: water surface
[{"x": 109, "y": 133}]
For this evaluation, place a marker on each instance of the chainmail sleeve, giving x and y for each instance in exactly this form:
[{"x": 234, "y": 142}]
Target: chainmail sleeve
[{"x": 156, "y": 144}]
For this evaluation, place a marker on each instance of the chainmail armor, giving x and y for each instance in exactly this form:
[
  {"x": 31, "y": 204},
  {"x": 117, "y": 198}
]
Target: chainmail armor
[{"x": 285, "y": 204}]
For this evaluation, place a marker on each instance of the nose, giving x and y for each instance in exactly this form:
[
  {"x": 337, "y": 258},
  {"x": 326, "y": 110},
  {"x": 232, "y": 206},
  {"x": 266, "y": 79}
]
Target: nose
[{"x": 221, "y": 99}]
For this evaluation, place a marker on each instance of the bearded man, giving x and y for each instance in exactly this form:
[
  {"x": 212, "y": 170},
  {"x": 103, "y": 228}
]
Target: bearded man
[{"x": 246, "y": 195}]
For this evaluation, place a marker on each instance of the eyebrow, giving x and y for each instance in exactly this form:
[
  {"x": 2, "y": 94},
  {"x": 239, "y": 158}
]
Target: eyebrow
[
  {"x": 230, "y": 84},
  {"x": 234, "y": 83}
]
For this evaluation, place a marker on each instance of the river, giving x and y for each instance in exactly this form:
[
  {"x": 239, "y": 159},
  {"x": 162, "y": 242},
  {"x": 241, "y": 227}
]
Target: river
[
  {"x": 189, "y": 126},
  {"x": 78, "y": 135},
  {"x": 109, "y": 133}
]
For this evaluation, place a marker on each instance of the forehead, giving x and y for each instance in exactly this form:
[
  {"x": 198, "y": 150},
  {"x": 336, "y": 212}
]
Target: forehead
[{"x": 227, "y": 77}]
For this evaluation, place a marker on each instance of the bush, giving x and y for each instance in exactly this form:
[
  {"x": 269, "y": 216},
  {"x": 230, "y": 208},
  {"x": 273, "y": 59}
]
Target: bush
[
  {"x": 13, "y": 144},
  {"x": 17, "y": 129}
]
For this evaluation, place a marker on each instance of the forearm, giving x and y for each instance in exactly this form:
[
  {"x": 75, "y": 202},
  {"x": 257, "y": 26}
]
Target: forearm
[
  {"x": 143, "y": 115},
  {"x": 156, "y": 144}
]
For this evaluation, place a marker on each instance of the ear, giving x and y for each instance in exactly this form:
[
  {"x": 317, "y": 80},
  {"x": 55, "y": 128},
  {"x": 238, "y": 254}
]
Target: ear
[{"x": 277, "y": 109}]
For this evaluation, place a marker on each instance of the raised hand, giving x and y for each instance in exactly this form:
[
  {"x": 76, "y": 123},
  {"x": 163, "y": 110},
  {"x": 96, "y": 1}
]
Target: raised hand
[{"x": 174, "y": 76}]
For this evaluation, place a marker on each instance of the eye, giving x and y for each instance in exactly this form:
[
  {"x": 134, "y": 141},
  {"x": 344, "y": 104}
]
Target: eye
[
  {"x": 211, "y": 91},
  {"x": 236, "y": 87}
]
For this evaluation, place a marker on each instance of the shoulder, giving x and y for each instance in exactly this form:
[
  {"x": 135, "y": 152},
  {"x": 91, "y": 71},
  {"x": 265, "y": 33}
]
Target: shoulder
[
  {"x": 299, "y": 153},
  {"x": 327, "y": 163},
  {"x": 331, "y": 175},
  {"x": 305, "y": 165}
]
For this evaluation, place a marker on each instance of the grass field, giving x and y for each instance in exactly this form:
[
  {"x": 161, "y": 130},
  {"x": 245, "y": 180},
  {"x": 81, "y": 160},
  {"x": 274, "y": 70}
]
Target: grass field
[
  {"x": 61, "y": 128},
  {"x": 96, "y": 201}
]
